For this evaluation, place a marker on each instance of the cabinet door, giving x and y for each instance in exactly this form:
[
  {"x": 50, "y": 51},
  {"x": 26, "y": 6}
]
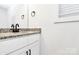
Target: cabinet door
[
  {"x": 34, "y": 44},
  {"x": 34, "y": 49}
]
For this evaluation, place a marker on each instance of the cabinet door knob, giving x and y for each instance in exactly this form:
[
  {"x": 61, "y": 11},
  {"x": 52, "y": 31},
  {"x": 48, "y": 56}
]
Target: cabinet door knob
[
  {"x": 26, "y": 52},
  {"x": 29, "y": 51}
]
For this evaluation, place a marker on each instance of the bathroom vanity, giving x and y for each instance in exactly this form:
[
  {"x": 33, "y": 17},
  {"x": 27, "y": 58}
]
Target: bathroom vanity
[{"x": 20, "y": 43}]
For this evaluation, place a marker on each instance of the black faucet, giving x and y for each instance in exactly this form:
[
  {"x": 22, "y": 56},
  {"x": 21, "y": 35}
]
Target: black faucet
[
  {"x": 17, "y": 25},
  {"x": 15, "y": 29}
]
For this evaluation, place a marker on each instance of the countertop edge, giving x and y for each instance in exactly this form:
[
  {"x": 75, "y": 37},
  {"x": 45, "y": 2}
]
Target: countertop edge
[
  {"x": 33, "y": 31},
  {"x": 5, "y": 37}
]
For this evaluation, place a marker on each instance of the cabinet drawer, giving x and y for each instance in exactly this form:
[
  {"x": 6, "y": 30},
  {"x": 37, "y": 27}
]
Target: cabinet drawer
[
  {"x": 25, "y": 50},
  {"x": 33, "y": 38},
  {"x": 12, "y": 44},
  {"x": 22, "y": 51}
]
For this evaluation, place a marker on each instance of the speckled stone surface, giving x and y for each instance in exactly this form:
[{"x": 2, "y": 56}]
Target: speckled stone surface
[{"x": 7, "y": 33}]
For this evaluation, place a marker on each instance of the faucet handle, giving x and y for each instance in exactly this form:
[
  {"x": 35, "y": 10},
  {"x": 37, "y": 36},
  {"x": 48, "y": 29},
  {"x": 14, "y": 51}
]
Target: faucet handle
[
  {"x": 17, "y": 25},
  {"x": 12, "y": 25}
]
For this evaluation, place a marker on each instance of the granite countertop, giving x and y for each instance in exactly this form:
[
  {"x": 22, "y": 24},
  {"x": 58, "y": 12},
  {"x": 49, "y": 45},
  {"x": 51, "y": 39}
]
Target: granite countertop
[{"x": 10, "y": 34}]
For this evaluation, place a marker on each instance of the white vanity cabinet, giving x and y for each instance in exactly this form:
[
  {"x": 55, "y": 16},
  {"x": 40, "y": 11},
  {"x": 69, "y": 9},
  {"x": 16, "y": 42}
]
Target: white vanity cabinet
[
  {"x": 21, "y": 45},
  {"x": 32, "y": 49}
]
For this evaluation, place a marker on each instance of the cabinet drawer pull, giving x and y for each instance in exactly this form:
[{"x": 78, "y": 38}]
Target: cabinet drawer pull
[
  {"x": 26, "y": 52},
  {"x": 29, "y": 51}
]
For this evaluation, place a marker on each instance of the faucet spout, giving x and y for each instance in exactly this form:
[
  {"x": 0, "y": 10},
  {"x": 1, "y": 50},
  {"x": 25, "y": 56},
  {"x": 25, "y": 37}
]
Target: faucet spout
[
  {"x": 16, "y": 29},
  {"x": 17, "y": 25}
]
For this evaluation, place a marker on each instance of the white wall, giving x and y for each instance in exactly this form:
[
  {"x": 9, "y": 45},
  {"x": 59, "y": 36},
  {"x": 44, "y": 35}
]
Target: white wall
[
  {"x": 3, "y": 17},
  {"x": 21, "y": 9},
  {"x": 56, "y": 38},
  {"x": 45, "y": 17},
  {"x": 12, "y": 16}
]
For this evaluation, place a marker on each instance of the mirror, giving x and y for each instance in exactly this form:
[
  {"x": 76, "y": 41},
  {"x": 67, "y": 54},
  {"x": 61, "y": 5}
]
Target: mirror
[{"x": 4, "y": 16}]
